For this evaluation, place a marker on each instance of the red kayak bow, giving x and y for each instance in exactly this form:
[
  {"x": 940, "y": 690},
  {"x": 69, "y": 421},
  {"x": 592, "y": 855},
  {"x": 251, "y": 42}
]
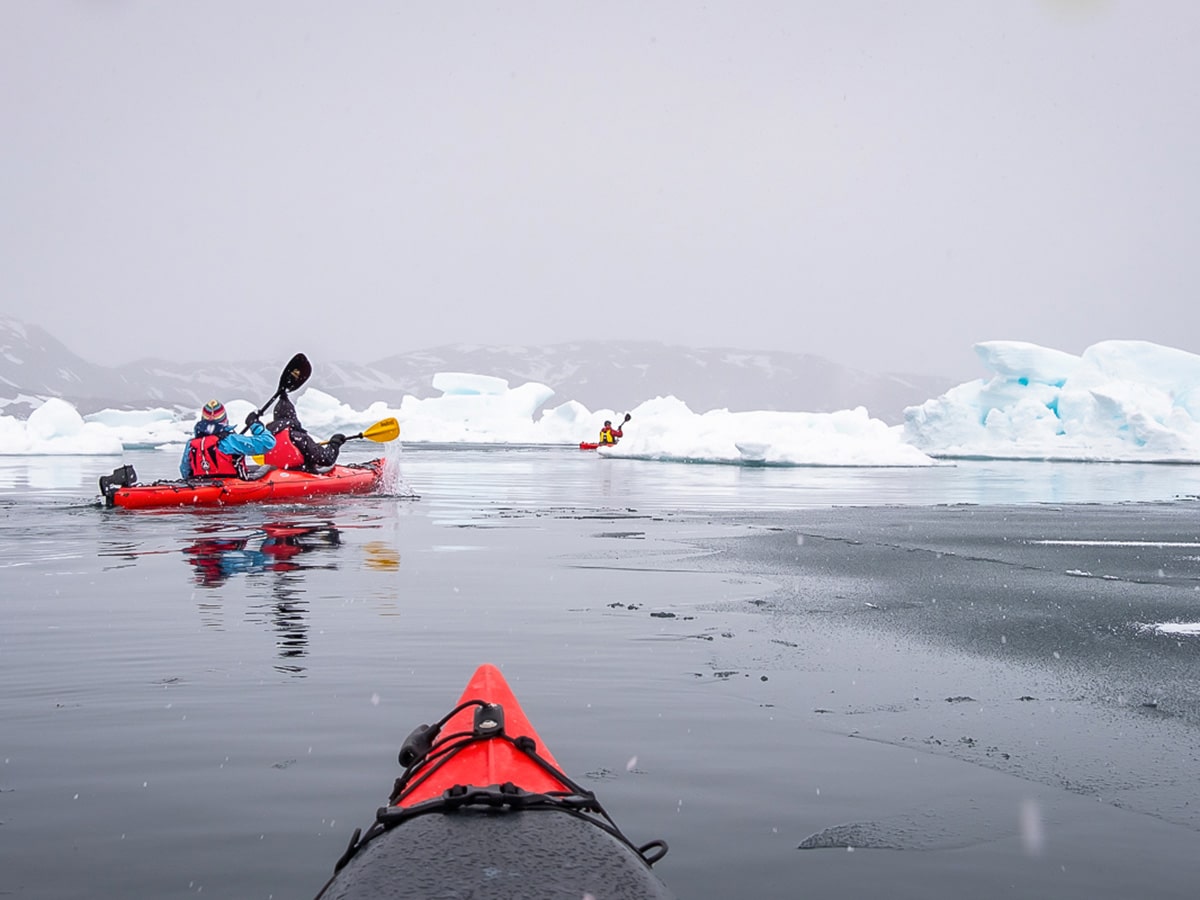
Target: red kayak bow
[{"x": 482, "y": 810}]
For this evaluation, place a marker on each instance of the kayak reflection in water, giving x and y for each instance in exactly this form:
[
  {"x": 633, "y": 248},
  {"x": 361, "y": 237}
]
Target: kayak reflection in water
[
  {"x": 279, "y": 601},
  {"x": 216, "y": 560}
]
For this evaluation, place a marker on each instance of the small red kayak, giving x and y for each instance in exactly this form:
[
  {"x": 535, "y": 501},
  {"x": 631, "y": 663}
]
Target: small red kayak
[
  {"x": 483, "y": 810},
  {"x": 266, "y": 485},
  {"x": 587, "y": 445}
]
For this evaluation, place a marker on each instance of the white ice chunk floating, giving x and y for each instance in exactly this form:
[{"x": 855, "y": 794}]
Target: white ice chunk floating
[{"x": 55, "y": 429}]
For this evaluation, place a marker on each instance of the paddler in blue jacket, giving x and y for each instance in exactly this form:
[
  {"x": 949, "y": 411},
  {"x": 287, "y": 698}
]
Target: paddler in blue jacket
[{"x": 216, "y": 450}]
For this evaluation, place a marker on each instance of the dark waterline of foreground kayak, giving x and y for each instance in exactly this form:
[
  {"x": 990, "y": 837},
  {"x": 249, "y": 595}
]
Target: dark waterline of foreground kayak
[{"x": 211, "y": 702}]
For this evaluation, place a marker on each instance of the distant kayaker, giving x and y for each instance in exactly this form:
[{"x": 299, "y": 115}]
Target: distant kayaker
[
  {"x": 610, "y": 435},
  {"x": 294, "y": 447},
  {"x": 216, "y": 450}
]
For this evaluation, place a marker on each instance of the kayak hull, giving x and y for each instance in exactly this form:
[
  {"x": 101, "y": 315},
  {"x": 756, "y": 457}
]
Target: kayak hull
[
  {"x": 511, "y": 846},
  {"x": 275, "y": 485}
]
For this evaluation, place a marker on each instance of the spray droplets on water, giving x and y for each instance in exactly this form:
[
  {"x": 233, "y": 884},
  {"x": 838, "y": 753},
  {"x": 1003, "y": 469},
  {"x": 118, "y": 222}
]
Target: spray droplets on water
[
  {"x": 632, "y": 764},
  {"x": 392, "y": 483}
]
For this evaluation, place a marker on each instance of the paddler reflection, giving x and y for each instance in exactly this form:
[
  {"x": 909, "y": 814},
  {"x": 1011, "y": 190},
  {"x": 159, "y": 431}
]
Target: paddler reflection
[
  {"x": 279, "y": 551},
  {"x": 274, "y": 549}
]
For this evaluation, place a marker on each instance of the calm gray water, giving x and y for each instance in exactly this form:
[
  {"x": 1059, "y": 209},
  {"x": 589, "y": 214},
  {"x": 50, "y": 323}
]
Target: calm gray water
[{"x": 208, "y": 702}]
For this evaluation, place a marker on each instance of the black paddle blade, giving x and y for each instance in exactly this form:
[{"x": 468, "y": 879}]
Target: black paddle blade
[{"x": 295, "y": 373}]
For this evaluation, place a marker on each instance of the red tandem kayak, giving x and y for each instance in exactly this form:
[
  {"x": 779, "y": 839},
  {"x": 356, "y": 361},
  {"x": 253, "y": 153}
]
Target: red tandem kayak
[
  {"x": 482, "y": 810},
  {"x": 265, "y": 485}
]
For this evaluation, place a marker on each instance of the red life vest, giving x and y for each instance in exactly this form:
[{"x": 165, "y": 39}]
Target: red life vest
[
  {"x": 206, "y": 461},
  {"x": 285, "y": 454}
]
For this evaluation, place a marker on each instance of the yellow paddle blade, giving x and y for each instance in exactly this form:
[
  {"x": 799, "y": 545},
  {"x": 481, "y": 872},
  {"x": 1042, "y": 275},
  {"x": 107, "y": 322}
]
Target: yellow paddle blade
[{"x": 383, "y": 431}]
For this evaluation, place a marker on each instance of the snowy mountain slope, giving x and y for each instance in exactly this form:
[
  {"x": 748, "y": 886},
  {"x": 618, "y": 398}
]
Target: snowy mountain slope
[
  {"x": 621, "y": 375},
  {"x": 33, "y": 364}
]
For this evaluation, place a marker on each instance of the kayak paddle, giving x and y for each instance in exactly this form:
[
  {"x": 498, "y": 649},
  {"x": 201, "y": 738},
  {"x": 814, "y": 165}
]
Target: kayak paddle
[
  {"x": 293, "y": 376},
  {"x": 381, "y": 432}
]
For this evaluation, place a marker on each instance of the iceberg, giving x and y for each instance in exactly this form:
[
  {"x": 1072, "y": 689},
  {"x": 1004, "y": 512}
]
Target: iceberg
[{"x": 1119, "y": 401}]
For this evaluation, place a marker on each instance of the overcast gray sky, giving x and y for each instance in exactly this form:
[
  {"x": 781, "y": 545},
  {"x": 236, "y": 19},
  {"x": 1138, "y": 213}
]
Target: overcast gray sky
[{"x": 880, "y": 183}]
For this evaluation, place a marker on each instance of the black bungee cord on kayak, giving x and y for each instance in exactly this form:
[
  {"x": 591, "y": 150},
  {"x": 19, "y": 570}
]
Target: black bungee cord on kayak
[{"x": 422, "y": 758}]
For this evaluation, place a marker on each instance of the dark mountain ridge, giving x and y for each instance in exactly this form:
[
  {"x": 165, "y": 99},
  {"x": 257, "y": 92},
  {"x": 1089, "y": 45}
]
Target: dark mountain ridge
[{"x": 614, "y": 375}]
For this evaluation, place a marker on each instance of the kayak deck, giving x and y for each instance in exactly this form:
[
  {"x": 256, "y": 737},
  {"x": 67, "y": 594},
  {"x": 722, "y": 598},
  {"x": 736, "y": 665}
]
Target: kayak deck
[
  {"x": 498, "y": 856},
  {"x": 487, "y": 762}
]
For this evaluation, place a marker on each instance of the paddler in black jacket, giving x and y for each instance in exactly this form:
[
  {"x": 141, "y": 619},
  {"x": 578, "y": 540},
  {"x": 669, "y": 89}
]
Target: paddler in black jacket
[{"x": 294, "y": 447}]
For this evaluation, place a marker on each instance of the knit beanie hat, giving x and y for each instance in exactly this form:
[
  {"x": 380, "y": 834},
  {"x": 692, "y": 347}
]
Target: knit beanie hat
[{"x": 214, "y": 411}]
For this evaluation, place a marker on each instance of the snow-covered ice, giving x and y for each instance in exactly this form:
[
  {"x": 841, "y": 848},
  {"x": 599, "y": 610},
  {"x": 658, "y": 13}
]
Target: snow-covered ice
[
  {"x": 56, "y": 428},
  {"x": 1127, "y": 401},
  {"x": 665, "y": 428}
]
